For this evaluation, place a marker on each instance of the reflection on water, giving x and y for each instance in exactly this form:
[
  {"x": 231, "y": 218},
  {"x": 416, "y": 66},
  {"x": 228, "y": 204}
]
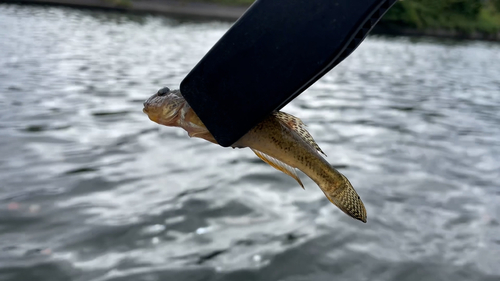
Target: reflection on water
[{"x": 90, "y": 189}]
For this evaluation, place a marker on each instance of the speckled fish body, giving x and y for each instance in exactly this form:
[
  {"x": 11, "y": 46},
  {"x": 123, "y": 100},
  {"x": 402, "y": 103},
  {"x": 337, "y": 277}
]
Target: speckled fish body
[{"x": 280, "y": 140}]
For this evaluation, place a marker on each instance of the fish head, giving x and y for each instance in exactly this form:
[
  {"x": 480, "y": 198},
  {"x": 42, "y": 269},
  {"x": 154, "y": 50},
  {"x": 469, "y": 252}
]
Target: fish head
[{"x": 164, "y": 107}]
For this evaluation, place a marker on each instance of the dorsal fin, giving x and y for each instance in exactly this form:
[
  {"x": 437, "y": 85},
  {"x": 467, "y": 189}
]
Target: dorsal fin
[
  {"x": 298, "y": 126},
  {"x": 278, "y": 165}
]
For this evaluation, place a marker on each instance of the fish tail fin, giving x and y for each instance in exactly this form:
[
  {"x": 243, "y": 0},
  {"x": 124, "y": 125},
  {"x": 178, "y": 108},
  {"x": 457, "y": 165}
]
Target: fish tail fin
[{"x": 347, "y": 200}]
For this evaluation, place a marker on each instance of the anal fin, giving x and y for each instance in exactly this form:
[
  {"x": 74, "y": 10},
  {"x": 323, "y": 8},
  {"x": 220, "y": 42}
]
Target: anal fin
[{"x": 279, "y": 165}]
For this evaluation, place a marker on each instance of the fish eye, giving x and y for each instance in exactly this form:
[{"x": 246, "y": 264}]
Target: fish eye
[{"x": 163, "y": 91}]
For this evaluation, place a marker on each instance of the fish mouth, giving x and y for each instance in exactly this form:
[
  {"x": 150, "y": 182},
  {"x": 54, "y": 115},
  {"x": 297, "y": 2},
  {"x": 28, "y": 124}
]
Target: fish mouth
[
  {"x": 150, "y": 116},
  {"x": 145, "y": 106},
  {"x": 145, "y": 110}
]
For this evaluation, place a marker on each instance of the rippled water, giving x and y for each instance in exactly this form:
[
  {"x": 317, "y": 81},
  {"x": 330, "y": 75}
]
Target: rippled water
[{"x": 90, "y": 189}]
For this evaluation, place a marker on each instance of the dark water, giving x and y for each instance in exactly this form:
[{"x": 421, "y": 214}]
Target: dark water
[{"x": 90, "y": 189}]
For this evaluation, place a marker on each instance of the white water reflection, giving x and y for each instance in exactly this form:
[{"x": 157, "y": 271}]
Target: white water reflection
[{"x": 412, "y": 123}]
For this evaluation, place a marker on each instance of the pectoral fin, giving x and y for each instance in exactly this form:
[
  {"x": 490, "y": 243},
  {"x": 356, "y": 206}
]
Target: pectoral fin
[{"x": 277, "y": 164}]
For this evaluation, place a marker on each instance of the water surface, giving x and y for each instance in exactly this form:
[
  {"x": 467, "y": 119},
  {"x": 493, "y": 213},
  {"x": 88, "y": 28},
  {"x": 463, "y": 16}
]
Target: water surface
[{"x": 90, "y": 189}]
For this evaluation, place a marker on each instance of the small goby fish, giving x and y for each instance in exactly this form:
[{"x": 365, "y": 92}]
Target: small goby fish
[{"x": 280, "y": 140}]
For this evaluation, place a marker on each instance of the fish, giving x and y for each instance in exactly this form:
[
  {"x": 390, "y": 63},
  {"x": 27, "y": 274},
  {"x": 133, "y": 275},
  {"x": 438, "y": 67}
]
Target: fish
[{"x": 280, "y": 140}]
